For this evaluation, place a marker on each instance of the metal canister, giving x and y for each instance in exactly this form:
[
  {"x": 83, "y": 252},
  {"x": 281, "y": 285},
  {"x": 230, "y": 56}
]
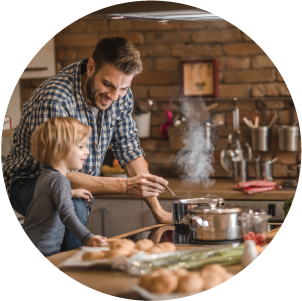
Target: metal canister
[
  {"x": 260, "y": 138},
  {"x": 240, "y": 170},
  {"x": 288, "y": 138}
]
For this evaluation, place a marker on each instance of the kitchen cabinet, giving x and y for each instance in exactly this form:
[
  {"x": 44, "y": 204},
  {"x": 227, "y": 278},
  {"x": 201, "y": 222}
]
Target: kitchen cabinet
[
  {"x": 43, "y": 63},
  {"x": 114, "y": 216},
  {"x": 111, "y": 217},
  {"x": 148, "y": 219}
]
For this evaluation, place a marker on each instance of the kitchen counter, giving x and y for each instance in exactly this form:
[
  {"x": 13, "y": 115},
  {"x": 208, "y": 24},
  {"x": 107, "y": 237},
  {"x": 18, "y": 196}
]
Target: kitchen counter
[
  {"x": 118, "y": 283},
  {"x": 223, "y": 188}
]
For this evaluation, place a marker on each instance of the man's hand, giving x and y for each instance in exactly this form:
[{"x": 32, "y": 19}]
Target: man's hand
[
  {"x": 97, "y": 241},
  {"x": 146, "y": 185},
  {"x": 81, "y": 193}
]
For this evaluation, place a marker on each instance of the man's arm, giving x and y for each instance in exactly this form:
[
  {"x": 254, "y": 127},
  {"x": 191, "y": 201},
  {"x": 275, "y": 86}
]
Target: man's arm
[
  {"x": 138, "y": 167},
  {"x": 139, "y": 186}
]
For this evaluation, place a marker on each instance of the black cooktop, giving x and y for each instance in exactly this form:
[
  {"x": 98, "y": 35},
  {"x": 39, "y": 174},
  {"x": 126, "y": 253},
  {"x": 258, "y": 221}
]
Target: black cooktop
[{"x": 176, "y": 235}]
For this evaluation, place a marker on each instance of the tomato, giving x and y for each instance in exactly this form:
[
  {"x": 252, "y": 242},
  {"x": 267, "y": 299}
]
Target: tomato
[
  {"x": 252, "y": 234},
  {"x": 247, "y": 237},
  {"x": 261, "y": 237},
  {"x": 256, "y": 241}
]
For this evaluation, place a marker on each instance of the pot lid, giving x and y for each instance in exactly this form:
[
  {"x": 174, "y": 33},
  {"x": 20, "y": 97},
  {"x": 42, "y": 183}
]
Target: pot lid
[
  {"x": 202, "y": 200},
  {"x": 217, "y": 208}
]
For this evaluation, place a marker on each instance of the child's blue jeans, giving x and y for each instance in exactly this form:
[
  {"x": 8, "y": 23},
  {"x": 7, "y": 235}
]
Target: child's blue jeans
[{"x": 22, "y": 193}]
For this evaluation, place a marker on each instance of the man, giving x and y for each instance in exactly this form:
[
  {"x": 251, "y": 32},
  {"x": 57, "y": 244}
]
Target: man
[{"x": 95, "y": 91}]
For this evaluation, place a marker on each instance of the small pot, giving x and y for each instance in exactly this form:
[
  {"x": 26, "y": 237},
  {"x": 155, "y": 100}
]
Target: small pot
[
  {"x": 180, "y": 210},
  {"x": 215, "y": 221}
]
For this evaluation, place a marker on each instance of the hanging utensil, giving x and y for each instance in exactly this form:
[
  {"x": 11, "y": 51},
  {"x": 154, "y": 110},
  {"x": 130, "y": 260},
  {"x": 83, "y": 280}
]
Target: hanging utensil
[
  {"x": 273, "y": 121},
  {"x": 292, "y": 114},
  {"x": 263, "y": 113},
  {"x": 247, "y": 122},
  {"x": 211, "y": 107},
  {"x": 256, "y": 121},
  {"x": 295, "y": 123}
]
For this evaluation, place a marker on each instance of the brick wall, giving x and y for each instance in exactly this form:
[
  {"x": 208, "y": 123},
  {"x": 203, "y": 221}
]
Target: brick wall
[{"x": 245, "y": 72}]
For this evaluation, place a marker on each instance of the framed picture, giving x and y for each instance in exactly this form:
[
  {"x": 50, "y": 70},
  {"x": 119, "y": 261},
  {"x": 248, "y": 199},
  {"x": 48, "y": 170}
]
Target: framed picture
[{"x": 200, "y": 78}]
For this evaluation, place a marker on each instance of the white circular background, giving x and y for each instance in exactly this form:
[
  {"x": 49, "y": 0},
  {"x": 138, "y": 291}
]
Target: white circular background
[{"x": 27, "y": 25}]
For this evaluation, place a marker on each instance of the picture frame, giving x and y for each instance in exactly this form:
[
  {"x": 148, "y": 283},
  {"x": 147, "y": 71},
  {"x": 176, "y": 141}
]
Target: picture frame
[{"x": 200, "y": 78}]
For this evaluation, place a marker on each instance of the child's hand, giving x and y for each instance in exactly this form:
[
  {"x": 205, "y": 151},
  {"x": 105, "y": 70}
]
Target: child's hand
[
  {"x": 81, "y": 193},
  {"x": 97, "y": 241}
]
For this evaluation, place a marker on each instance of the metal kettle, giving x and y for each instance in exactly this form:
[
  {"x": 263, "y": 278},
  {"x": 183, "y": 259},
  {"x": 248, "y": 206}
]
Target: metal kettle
[{"x": 236, "y": 152}]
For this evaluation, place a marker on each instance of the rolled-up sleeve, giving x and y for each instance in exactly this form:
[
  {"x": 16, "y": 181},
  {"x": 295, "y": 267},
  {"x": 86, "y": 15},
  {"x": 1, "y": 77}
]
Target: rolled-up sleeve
[{"x": 125, "y": 143}]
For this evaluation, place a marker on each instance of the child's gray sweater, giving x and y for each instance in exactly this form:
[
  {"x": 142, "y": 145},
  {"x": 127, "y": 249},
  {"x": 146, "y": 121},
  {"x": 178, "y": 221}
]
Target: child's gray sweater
[{"x": 50, "y": 211}]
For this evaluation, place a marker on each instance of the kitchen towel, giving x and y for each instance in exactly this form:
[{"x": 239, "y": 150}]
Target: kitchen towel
[{"x": 251, "y": 187}]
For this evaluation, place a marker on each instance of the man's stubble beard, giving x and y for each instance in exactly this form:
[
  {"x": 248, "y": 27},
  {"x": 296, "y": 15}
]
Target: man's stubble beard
[{"x": 92, "y": 94}]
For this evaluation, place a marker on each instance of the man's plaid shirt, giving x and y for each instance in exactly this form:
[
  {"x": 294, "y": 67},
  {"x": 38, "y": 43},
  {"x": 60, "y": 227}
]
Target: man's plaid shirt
[{"x": 62, "y": 95}]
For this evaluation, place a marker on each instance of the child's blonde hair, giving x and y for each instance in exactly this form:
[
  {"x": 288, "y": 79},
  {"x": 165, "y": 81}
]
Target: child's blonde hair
[{"x": 52, "y": 141}]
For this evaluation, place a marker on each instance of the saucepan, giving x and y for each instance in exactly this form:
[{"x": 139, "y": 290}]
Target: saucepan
[
  {"x": 215, "y": 221},
  {"x": 180, "y": 208}
]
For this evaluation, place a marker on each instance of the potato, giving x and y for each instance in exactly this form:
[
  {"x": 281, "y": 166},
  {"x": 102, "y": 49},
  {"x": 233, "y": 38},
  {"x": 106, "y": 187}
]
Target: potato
[
  {"x": 190, "y": 283},
  {"x": 125, "y": 244},
  {"x": 144, "y": 244},
  {"x": 93, "y": 255}
]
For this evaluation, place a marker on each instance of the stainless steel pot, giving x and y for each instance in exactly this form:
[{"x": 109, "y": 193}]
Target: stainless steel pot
[
  {"x": 215, "y": 221},
  {"x": 180, "y": 210}
]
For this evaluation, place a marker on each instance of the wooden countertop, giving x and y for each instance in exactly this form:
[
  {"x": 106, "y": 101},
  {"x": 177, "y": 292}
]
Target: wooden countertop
[
  {"x": 116, "y": 283},
  {"x": 223, "y": 188}
]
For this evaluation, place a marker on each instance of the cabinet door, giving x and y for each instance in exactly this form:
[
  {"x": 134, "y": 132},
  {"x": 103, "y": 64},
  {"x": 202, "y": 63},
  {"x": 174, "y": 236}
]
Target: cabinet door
[
  {"x": 148, "y": 219},
  {"x": 111, "y": 217}
]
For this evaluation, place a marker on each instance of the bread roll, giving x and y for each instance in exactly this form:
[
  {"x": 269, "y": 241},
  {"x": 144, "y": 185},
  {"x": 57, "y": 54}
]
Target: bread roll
[
  {"x": 167, "y": 246},
  {"x": 125, "y": 244},
  {"x": 227, "y": 276},
  {"x": 163, "y": 284},
  {"x": 216, "y": 268},
  {"x": 155, "y": 250},
  {"x": 145, "y": 282},
  {"x": 161, "y": 272},
  {"x": 116, "y": 253},
  {"x": 132, "y": 252},
  {"x": 190, "y": 283},
  {"x": 211, "y": 280},
  {"x": 180, "y": 272},
  {"x": 144, "y": 244},
  {"x": 93, "y": 255}
]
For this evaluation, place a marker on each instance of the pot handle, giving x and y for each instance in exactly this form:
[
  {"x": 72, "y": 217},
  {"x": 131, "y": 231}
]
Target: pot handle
[
  {"x": 216, "y": 202},
  {"x": 198, "y": 220}
]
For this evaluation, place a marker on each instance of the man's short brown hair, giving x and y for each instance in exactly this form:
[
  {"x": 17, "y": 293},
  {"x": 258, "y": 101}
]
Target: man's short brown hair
[
  {"x": 52, "y": 141},
  {"x": 120, "y": 53}
]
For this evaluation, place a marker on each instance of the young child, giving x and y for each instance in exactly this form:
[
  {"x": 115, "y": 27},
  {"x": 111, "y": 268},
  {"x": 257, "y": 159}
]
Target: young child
[{"x": 60, "y": 145}]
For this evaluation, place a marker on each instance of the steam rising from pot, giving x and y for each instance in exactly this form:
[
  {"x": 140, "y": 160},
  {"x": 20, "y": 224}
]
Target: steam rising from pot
[{"x": 194, "y": 161}]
